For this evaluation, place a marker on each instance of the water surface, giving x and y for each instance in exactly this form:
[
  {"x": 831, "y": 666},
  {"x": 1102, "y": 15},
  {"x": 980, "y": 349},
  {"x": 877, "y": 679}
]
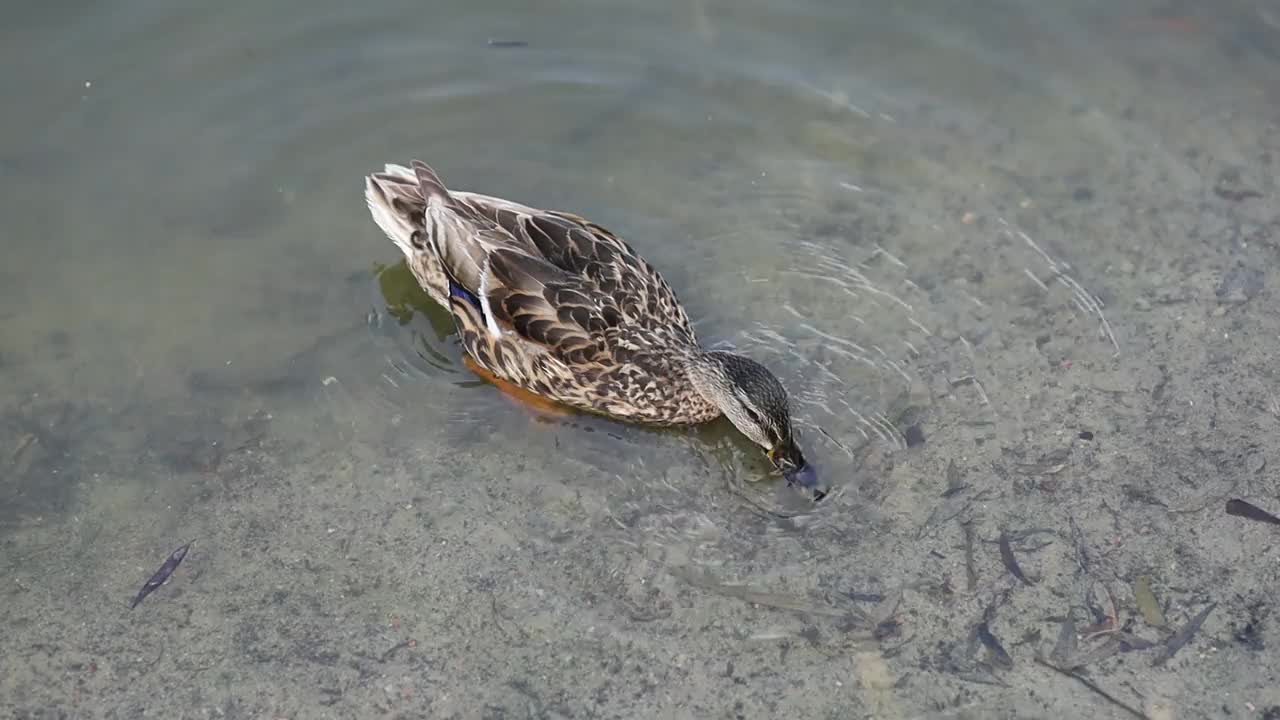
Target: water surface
[{"x": 1012, "y": 261}]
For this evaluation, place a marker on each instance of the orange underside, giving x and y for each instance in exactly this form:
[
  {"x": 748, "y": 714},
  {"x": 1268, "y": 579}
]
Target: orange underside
[{"x": 537, "y": 403}]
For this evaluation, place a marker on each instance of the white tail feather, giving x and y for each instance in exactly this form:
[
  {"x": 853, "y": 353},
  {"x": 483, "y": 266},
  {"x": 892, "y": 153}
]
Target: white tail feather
[{"x": 487, "y": 311}]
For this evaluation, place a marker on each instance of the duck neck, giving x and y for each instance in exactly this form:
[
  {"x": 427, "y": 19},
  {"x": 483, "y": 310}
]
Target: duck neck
[{"x": 707, "y": 375}]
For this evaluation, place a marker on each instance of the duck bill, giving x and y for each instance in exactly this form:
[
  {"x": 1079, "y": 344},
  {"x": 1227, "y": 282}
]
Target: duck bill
[{"x": 796, "y": 470}]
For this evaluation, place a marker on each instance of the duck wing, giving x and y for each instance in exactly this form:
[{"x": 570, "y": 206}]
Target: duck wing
[{"x": 608, "y": 265}]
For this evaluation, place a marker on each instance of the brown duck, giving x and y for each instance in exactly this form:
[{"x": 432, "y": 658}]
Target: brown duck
[{"x": 564, "y": 309}]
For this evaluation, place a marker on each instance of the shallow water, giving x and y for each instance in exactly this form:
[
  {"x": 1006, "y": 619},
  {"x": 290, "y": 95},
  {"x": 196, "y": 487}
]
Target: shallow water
[{"x": 1020, "y": 250}]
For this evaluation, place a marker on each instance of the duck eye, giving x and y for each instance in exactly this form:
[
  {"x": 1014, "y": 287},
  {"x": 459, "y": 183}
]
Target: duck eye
[{"x": 417, "y": 241}]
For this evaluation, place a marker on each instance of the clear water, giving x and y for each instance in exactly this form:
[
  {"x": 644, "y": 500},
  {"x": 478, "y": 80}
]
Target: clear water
[{"x": 922, "y": 217}]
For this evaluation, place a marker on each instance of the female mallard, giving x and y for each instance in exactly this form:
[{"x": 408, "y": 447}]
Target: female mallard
[{"x": 562, "y": 308}]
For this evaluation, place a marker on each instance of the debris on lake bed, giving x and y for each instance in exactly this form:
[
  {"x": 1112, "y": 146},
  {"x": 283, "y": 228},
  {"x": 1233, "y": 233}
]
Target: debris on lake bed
[
  {"x": 1097, "y": 690},
  {"x": 1184, "y": 635},
  {"x": 1065, "y": 647},
  {"x": 161, "y": 576},
  {"x": 1230, "y": 186},
  {"x": 1006, "y": 540},
  {"x": 996, "y": 653},
  {"x": 1107, "y": 619},
  {"x": 1065, "y": 660},
  {"x": 967, "y": 663},
  {"x": 1239, "y": 508},
  {"x": 914, "y": 436},
  {"x": 1116, "y": 635},
  {"x": 1009, "y": 560},
  {"x": 956, "y": 501},
  {"x": 704, "y": 580},
  {"x": 955, "y": 481},
  {"x": 1148, "y": 606},
  {"x": 970, "y": 567}
]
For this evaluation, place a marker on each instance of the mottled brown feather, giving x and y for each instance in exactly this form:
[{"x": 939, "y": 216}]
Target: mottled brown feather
[{"x": 581, "y": 317}]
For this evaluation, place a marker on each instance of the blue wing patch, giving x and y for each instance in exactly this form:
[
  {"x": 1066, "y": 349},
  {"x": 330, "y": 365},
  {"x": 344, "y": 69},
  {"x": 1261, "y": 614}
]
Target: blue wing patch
[{"x": 456, "y": 290}]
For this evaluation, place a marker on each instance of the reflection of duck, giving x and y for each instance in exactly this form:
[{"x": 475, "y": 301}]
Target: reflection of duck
[
  {"x": 404, "y": 299},
  {"x": 562, "y": 308},
  {"x": 403, "y": 296}
]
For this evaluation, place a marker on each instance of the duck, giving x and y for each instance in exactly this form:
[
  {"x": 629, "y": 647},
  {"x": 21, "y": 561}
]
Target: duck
[{"x": 567, "y": 311}]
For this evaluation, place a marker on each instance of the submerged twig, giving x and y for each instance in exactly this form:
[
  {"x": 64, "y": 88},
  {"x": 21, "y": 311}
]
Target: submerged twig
[
  {"x": 1098, "y": 654},
  {"x": 839, "y": 444},
  {"x": 983, "y": 676},
  {"x": 768, "y": 599},
  {"x": 1094, "y": 687},
  {"x": 395, "y": 649}
]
